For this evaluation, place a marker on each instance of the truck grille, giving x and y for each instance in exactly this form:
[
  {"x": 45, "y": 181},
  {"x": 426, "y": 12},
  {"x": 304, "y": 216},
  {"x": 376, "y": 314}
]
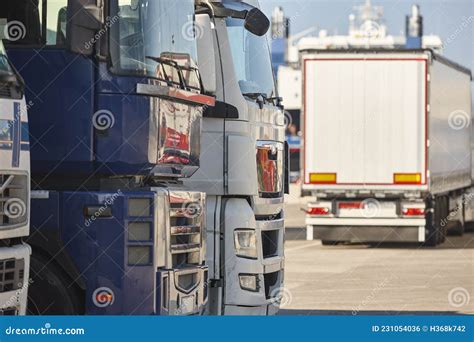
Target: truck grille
[
  {"x": 13, "y": 200},
  {"x": 5, "y": 91},
  {"x": 270, "y": 243},
  {"x": 272, "y": 283},
  {"x": 9, "y": 312},
  {"x": 186, "y": 225},
  {"x": 11, "y": 274}
]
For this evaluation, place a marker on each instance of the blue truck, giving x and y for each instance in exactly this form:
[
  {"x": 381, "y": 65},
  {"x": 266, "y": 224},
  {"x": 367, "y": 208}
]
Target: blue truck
[{"x": 115, "y": 122}]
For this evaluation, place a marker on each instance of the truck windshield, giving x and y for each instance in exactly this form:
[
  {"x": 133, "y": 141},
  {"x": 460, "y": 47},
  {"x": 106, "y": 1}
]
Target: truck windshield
[
  {"x": 252, "y": 62},
  {"x": 151, "y": 37}
]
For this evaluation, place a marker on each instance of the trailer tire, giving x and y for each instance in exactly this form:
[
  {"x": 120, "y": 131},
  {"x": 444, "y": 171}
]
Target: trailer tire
[
  {"x": 330, "y": 243},
  {"x": 434, "y": 226},
  {"x": 50, "y": 291}
]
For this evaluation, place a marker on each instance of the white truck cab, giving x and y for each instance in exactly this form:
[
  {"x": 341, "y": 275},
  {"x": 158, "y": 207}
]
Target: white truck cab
[{"x": 244, "y": 160}]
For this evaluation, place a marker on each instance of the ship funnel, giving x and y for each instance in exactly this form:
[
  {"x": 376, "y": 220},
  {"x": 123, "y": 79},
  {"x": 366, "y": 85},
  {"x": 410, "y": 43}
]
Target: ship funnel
[{"x": 414, "y": 28}]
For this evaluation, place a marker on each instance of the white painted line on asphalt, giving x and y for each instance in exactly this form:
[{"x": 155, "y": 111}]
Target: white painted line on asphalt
[{"x": 312, "y": 244}]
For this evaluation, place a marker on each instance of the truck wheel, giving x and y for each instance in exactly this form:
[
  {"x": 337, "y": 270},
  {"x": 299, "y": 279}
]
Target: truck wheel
[{"x": 49, "y": 292}]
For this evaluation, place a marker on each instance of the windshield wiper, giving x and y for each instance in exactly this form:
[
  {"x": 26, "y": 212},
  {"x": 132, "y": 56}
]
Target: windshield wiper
[
  {"x": 180, "y": 68},
  {"x": 173, "y": 64}
]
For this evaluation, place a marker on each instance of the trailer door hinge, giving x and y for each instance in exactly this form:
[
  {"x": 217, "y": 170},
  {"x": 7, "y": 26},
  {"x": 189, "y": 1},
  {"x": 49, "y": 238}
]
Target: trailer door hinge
[{"x": 428, "y": 77}]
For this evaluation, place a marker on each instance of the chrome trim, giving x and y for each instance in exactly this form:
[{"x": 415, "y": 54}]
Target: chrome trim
[{"x": 270, "y": 225}]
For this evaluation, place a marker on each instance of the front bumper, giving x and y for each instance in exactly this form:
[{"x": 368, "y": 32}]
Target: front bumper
[
  {"x": 268, "y": 267},
  {"x": 182, "y": 292},
  {"x": 367, "y": 230}
]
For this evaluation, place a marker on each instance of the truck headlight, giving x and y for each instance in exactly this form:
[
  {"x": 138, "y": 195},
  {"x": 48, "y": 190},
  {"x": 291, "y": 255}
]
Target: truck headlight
[
  {"x": 245, "y": 242},
  {"x": 249, "y": 282}
]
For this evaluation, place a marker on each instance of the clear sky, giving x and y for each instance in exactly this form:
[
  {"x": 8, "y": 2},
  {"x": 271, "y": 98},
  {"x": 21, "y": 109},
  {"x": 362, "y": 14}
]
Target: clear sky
[{"x": 452, "y": 20}]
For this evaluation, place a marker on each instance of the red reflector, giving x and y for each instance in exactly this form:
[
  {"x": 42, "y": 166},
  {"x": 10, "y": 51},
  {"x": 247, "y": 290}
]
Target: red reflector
[
  {"x": 351, "y": 205},
  {"x": 414, "y": 212},
  {"x": 317, "y": 211}
]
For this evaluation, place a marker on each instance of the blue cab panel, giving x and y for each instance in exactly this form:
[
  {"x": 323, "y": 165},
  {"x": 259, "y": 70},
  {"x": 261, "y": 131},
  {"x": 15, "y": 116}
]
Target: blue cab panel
[
  {"x": 59, "y": 130},
  {"x": 94, "y": 230},
  {"x": 87, "y": 122}
]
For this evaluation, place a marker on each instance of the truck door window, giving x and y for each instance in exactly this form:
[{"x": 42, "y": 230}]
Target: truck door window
[
  {"x": 251, "y": 57},
  {"x": 24, "y": 24},
  {"x": 35, "y": 22},
  {"x": 56, "y": 19}
]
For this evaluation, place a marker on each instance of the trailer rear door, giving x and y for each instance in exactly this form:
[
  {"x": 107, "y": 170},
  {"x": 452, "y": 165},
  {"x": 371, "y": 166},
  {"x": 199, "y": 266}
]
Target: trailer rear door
[{"x": 365, "y": 122}]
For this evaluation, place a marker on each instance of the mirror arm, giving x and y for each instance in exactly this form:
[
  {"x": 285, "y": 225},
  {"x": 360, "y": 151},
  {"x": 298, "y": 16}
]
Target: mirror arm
[{"x": 217, "y": 10}]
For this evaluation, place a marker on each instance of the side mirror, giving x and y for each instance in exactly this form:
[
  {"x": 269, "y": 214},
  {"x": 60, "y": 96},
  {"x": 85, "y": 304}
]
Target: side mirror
[
  {"x": 257, "y": 22},
  {"x": 206, "y": 53},
  {"x": 85, "y": 18}
]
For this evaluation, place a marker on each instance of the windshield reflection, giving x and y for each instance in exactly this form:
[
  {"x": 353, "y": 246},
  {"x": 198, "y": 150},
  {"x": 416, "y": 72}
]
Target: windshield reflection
[{"x": 148, "y": 33}]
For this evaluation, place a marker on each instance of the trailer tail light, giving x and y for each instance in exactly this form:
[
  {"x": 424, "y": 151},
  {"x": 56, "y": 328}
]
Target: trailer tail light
[
  {"x": 413, "y": 212},
  {"x": 322, "y": 178},
  {"x": 318, "y": 211},
  {"x": 407, "y": 178}
]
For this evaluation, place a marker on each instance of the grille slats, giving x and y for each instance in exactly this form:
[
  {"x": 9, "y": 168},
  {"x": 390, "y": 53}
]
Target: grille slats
[
  {"x": 186, "y": 229},
  {"x": 270, "y": 240},
  {"x": 9, "y": 312},
  {"x": 11, "y": 274},
  {"x": 6, "y": 91}
]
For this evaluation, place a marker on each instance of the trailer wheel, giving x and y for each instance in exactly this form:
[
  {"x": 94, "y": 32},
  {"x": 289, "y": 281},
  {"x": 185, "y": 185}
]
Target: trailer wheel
[
  {"x": 458, "y": 227},
  {"x": 51, "y": 291},
  {"x": 330, "y": 243},
  {"x": 434, "y": 226}
]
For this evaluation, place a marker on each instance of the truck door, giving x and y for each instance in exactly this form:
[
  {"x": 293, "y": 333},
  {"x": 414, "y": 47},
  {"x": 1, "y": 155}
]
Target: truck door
[{"x": 58, "y": 82}]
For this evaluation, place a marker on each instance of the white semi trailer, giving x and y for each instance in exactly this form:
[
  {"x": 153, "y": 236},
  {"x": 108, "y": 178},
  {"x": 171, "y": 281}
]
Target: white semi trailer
[{"x": 386, "y": 145}]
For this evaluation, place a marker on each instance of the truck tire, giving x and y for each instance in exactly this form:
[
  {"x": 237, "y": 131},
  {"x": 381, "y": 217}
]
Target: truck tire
[
  {"x": 329, "y": 243},
  {"x": 50, "y": 292},
  {"x": 433, "y": 224},
  {"x": 456, "y": 229}
]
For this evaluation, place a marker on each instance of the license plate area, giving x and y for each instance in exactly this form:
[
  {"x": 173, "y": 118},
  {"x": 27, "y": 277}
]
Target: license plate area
[{"x": 367, "y": 208}]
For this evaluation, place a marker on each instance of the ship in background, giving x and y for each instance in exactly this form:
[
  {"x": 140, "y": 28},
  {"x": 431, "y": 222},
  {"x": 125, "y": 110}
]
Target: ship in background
[{"x": 367, "y": 30}]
